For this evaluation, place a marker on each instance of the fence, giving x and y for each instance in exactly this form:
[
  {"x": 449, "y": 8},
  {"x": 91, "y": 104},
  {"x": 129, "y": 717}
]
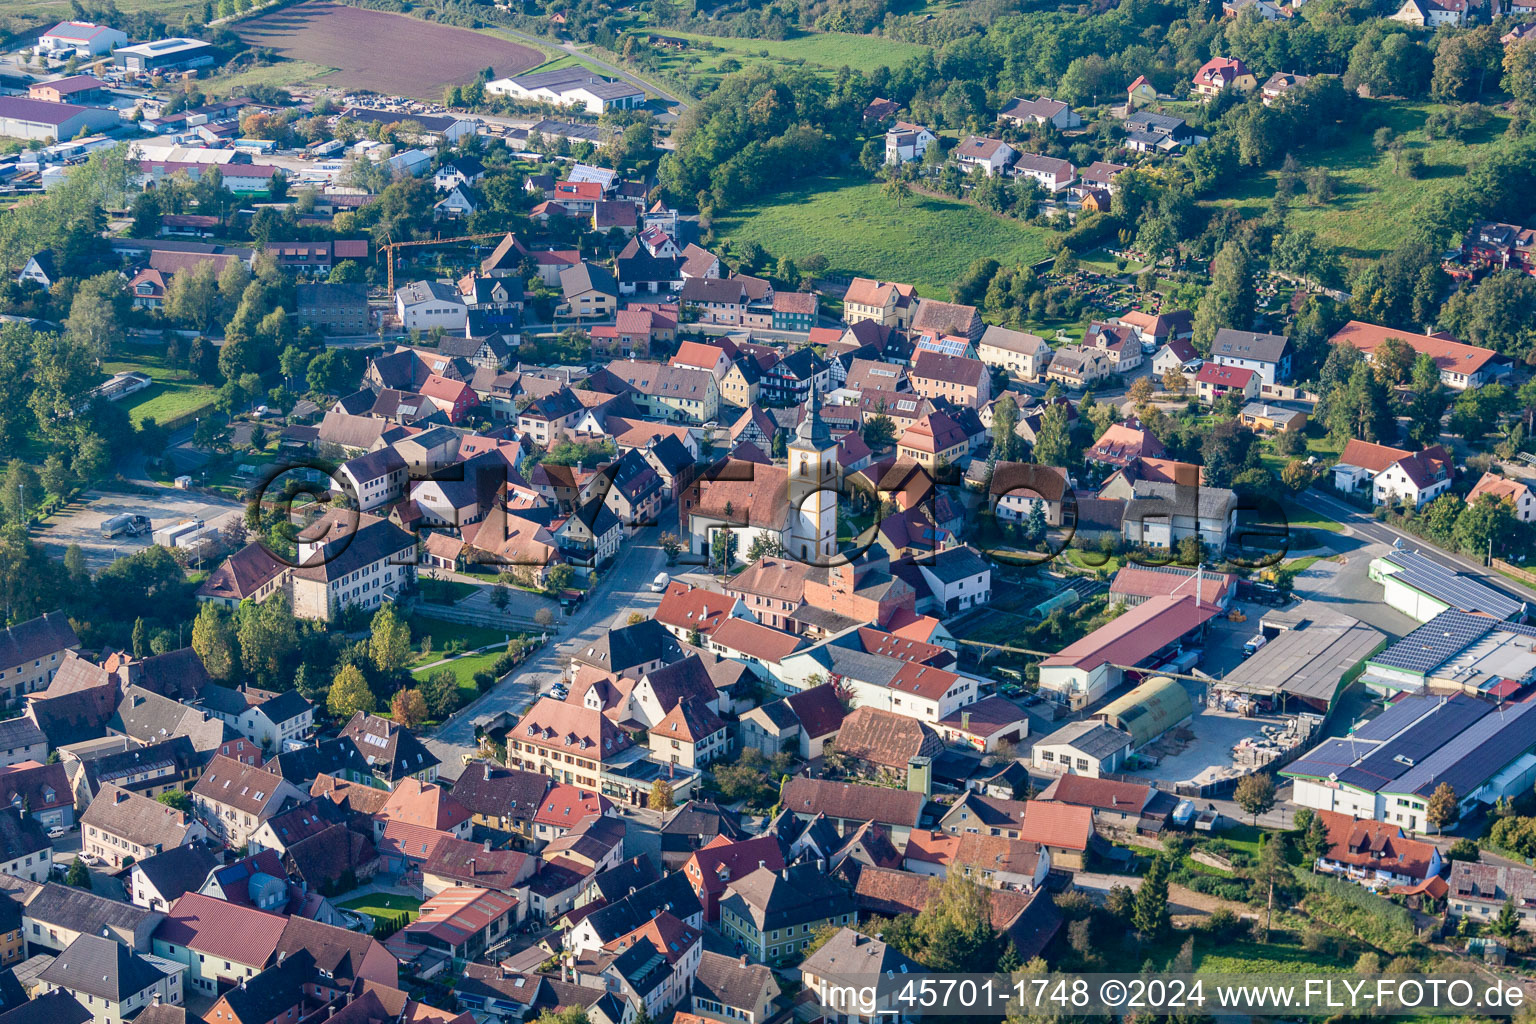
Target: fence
[{"x": 479, "y": 617}]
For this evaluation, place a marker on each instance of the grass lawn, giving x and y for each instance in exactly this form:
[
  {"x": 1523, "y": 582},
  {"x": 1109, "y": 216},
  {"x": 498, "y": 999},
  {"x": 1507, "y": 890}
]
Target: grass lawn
[
  {"x": 929, "y": 241},
  {"x": 283, "y": 74},
  {"x": 445, "y": 591},
  {"x": 829, "y": 50},
  {"x": 463, "y": 668},
  {"x": 1370, "y": 213},
  {"x": 1237, "y": 956},
  {"x": 174, "y": 393},
  {"x": 1094, "y": 561},
  {"x": 560, "y": 63},
  {"x": 379, "y": 904},
  {"x": 441, "y": 632}
]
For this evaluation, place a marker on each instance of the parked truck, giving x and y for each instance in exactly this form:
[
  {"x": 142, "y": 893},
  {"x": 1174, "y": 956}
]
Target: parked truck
[{"x": 128, "y": 523}]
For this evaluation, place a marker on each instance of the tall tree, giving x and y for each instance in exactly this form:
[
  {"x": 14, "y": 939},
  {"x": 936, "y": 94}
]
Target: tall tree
[
  {"x": 1005, "y": 417},
  {"x": 390, "y": 641},
  {"x": 1442, "y": 808},
  {"x": 213, "y": 639},
  {"x": 97, "y": 314},
  {"x": 349, "y": 694},
  {"x": 1149, "y": 914},
  {"x": 1426, "y": 401},
  {"x": 1230, "y": 300},
  {"x": 1255, "y": 794}
]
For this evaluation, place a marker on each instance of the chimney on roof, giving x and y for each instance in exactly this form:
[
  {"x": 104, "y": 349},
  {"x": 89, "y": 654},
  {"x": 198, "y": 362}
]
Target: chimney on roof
[
  {"x": 743, "y": 959},
  {"x": 119, "y": 796},
  {"x": 471, "y": 867},
  {"x": 487, "y": 846}
]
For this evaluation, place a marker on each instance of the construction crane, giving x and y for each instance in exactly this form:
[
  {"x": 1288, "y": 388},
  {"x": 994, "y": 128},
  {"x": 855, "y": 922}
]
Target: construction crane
[{"x": 387, "y": 250}]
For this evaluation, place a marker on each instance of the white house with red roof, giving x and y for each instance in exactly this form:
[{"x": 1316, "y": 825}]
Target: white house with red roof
[
  {"x": 1393, "y": 474},
  {"x": 685, "y": 608},
  {"x": 1461, "y": 366},
  {"x": 1215, "y": 381},
  {"x": 992, "y": 155},
  {"x": 1375, "y": 852},
  {"x": 1516, "y": 492}
]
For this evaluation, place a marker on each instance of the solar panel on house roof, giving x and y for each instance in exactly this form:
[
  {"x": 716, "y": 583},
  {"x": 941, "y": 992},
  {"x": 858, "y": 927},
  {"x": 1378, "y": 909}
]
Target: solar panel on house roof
[
  {"x": 1436, "y": 642},
  {"x": 1423, "y": 573}
]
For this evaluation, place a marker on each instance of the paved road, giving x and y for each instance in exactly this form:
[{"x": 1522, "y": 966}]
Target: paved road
[
  {"x": 623, "y": 589},
  {"x": 1366, "y": 526}
]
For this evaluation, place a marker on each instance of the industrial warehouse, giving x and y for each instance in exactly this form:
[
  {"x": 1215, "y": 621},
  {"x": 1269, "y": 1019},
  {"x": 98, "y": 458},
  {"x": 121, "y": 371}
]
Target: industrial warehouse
[{"x": 1386, "y": 769}]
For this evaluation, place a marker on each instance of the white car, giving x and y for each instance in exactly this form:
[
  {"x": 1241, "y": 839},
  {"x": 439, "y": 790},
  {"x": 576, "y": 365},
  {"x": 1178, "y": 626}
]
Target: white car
[{"x": 58, "y": 832}]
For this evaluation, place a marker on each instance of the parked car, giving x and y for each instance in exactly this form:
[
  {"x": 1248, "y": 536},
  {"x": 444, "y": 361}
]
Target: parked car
[
  {"x": 659, "y": 584},
  {"x": 1255, "y": 642},
  {"x": 58, "y": 832}
]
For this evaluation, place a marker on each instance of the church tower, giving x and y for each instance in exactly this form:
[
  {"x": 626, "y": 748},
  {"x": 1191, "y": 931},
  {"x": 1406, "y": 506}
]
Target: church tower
[{"x": 813, "y": 489}]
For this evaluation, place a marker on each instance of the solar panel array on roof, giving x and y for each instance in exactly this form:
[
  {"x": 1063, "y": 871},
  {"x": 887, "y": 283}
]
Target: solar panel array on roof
[
  {"x": 1424, "y": 574},
  {"x": 1471, "y": 757},
  {"x": 1415, "y": 743},
  {"x": 1330, "y": 757},
  {"x": 1436, "y": 642},
  {"x": 1396, "y": 718}
]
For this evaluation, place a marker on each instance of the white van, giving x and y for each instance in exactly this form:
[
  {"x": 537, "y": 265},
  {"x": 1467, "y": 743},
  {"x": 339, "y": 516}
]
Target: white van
[{"x": 659, "y": 584}]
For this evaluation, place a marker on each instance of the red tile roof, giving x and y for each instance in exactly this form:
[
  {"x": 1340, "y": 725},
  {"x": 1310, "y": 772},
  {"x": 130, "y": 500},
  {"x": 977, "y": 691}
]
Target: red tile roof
[
  {"x": 686, "y": 607},
  {"x": 227, "y": 931},
  {"x": 564, "y": 805},
  {"x": 1374, "y": 846},
  {"x": 1136, "y": 634},
  {"x": 1449, "y": 355}
]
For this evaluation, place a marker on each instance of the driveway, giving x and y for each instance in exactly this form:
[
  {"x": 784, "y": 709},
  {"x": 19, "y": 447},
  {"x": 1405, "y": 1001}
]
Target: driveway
[{"x": 622, "y": 590}]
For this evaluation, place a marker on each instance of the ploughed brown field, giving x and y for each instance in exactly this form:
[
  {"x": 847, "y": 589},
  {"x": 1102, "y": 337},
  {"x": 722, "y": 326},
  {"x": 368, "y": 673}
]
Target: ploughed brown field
[{"x": 392, "y": 54}]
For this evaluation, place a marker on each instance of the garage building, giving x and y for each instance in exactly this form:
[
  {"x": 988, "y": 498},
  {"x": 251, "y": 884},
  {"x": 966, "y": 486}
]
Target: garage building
[{"x": 164, "y": 54}]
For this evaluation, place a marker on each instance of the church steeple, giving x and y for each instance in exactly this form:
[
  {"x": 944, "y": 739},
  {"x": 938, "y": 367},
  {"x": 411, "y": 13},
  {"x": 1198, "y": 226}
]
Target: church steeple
[{"x": 813, "y": 432}]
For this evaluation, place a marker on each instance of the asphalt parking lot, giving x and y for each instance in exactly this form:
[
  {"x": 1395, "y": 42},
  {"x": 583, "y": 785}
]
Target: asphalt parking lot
[{"x": 81, "y": 523}]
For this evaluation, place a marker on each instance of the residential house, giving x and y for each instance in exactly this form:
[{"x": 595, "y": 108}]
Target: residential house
[
  {"x": 1479, "y": 891},
  {"x": 567, "y": 742},
  {"x": 1065, "y": 831},
  {"x": 1461, "y": 366},
  {"x": 25, "y": 849},
  {"x": 1078, "y": 368},
  {"x": 962, "y": 381},
  {"x": 772, "y": 915},
  {"x": 1393, "y": 475},
  {"x": 333, "y": 308},
  {"x": 1039, "y": 111},
  {"x": 1021, "y": 354},
  {"x": 1053, "y": 174},
  {"x": 1220, "y": 73},
  {"x": 802, "y": 723},
  {"x": 993, "y": 156},
  {"x": 837, "y": 977},
  {"x": 111, "y": 980},
  {"x": 31, "y": 653},
  {"x": 120, "y": 825},
  {"x": 1215, "y": 381},
  {"x": 934, "y": 441},
  {"x": 1146, "y": 132},
  {"x": 425, "y": 305},
  {"x": 588, "y": 290},
  {"x": 995, "y": 861},
  {"x": 888, "y": 304},
  {"x": 1268, "y": 355},
  {"x": 1373, "y": 852},
  {"x": 906, "y": 143},
  {"x": 232, "y": 799},
  {"x": 849, "y": 805},
  {"x": 1434, "y": 13},
  {"x": 731, "y": 990},
  {"x": 353, "y": 560},
  {"x": 1516, "y": 492},
  {"x": 1087, "y": 747},
  {"x": 1119, "y": 343},
  {"x": 1279, "y": 85},
  {"x": 392, "y": 750},
  {"x": 269, "y": 721}
]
